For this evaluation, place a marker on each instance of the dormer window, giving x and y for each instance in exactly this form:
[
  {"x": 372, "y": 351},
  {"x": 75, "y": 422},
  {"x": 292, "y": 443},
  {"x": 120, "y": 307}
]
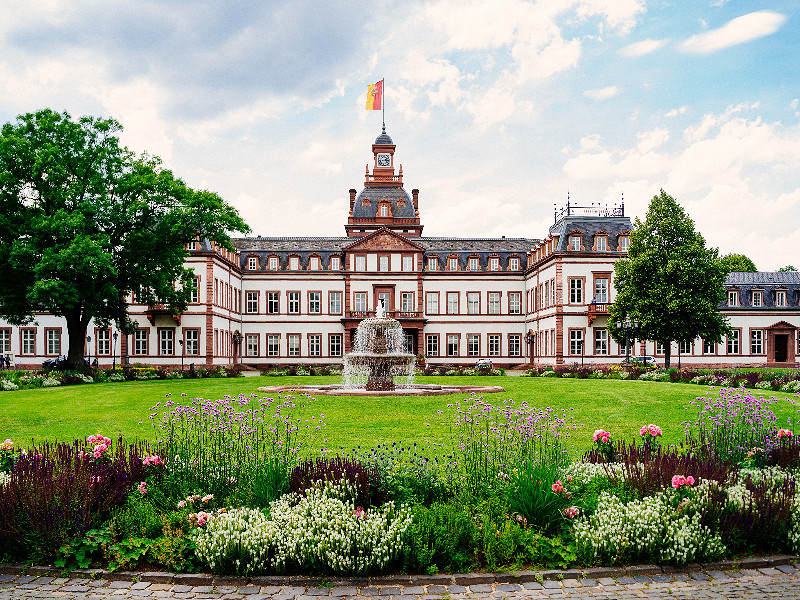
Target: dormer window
[
  {"x": 252, "y": 263},
  {"x": 365, "y": 202},
  {"x": 513, "y": 264},
  {"x": 474, "y": 263},
  {"x": 733, "y": 298},
  {"x": 433, "y": 263},
  {"x": 313, "y": 263},
  {"x": 601, "y": 243},
  {"x": 780, "y": 298},
  {"x": 273, "y": 263},
  {"x": 192, "y": 245},
  {"x": 452, "y": 264},
  {"x": 294, "y": 263},
  {"x": 575, "y": 243},
  {"x": 494, "y": 264},
  {"x": 384, "y": 210},
  {"x": 624, "y": 243},
  {"x": 758, "y": 298},
  {"x": 335, "y": 263}
]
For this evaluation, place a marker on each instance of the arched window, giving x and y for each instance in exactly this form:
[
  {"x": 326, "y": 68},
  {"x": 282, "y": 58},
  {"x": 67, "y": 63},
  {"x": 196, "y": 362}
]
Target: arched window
[{"x": 384, "y": 210}]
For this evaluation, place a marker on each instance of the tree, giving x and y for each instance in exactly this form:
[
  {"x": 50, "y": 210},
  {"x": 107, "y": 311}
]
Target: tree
[
  {"x": 786, "y": 268},
  {"x": 737, "y": 262},
  {"x": 84, "y": 222},
  {"x": 670, "y": 282}
]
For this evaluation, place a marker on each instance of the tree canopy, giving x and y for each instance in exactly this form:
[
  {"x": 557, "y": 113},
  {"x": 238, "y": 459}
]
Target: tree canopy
[
  {"x": 737, "y": 262},
  {"x": 84, "y": 222},
  {"x": 670, "y": 282},
  {"x": 786, "y": 269}
]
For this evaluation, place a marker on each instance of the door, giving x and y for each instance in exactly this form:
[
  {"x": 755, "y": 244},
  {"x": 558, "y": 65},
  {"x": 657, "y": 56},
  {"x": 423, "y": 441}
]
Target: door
[{"x": 781, "y": 348}]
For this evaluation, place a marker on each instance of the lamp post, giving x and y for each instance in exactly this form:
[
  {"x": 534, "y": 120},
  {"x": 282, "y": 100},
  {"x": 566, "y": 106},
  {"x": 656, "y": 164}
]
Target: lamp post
[
  {"x": 529, "y": 342},
  {"x": 237, "y": 339},
  {"x": 628, "y": 326},
  {"x": 89, "y": 347},
  {"x": 115, "y": 336},
  {"x": 180, "y": 341}
]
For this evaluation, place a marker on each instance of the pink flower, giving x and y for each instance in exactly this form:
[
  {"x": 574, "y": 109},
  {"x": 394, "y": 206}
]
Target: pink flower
[
  {"x": 602, "y": 435},
  {"x": 785, "y": 433},
  {"x": 7, "y": 445},
  {"x": 208, "y": 498},
  {"x": 358, "y": 513},
  {"x": 557, "y": 487},
  {"x": 680, "y": 480},
  {"x": 97, "y": 454},
  {"x": 142, "y": 487},
  {"x": 182, "y": 504},
  {"x": 202, "y": 518},
  {"x": 571, "y": 512}
]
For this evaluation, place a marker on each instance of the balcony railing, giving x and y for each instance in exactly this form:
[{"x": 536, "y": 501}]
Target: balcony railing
[
  {"x": 597, "y": 309},
  {"x": 394, "y": 314}
]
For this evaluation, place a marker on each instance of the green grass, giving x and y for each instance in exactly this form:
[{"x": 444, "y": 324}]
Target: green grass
[{"x": 621, "y": 407}]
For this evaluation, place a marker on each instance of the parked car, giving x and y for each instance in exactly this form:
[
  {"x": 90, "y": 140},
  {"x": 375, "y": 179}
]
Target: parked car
[
  {"x": 647, "y": 362},
  {"x": 484, "y": 364},
  {"x": 59, "y": 363}
]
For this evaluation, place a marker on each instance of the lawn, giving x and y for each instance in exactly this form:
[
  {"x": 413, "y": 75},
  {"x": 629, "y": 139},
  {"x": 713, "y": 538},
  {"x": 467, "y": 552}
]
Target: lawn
[{"x": 621, "y": 407}]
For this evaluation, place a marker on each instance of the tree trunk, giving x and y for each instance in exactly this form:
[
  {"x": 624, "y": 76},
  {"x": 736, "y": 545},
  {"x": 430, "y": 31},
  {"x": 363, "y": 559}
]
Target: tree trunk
[
  {"x": 76, "y": 332},
  {"x": 667, "y": 349}
]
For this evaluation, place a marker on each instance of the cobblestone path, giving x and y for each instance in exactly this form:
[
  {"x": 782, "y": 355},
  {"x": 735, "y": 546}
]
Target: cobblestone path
[{"x": 782, "y": 581}]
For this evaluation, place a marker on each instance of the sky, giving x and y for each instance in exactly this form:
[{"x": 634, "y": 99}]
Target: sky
[{"x": 499, "y": 109}]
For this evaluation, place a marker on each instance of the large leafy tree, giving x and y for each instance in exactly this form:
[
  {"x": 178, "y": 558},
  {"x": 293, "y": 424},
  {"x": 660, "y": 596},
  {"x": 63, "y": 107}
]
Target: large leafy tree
[
  {"x": 737, "y": 262},
  {"x": 84, "y": 222},
  {"x": 670, "y": 282}
]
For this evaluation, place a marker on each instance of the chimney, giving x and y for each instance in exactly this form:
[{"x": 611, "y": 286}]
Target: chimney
[
  {"x": 352, "y": 199},
  {"x": 415, "y": 198}
]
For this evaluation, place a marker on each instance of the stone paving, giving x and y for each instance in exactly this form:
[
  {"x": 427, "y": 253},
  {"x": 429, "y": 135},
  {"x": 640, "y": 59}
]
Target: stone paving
[{"x": 651, "y": 582}]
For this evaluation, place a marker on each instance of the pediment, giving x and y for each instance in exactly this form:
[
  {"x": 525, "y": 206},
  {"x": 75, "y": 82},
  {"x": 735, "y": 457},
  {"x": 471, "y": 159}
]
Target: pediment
[
  {"x": 782, "y": 325},
  {"x": 383, "y": 239}
]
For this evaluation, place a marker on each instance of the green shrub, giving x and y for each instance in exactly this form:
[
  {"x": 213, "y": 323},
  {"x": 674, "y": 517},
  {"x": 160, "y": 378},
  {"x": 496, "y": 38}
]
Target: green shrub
[
  {"x": 439, "y": 539},
  {"x": 531, "y": 495}
]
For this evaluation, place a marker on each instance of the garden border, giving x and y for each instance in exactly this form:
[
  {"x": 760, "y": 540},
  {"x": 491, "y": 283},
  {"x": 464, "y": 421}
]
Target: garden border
[{"x": 462, "y": 579}]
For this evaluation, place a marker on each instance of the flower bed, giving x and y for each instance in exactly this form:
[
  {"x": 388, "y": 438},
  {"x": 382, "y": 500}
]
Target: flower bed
[{"x": 231, "y": 489}]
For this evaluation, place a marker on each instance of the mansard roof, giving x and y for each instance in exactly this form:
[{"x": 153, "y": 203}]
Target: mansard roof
[
  {"x": 590, "y": 226},
  {"x": 442, "y": 245},
  {"x": 289, "y": 244},
  {"x": 428, "y": 244},
  {"x": 756, "y": 278},
  {"x": 376, "y": 194}
]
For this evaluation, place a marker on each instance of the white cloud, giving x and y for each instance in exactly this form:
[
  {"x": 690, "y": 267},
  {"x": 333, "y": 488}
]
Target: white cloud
[
  {"x": 602, "y": 93},
  {"x": 676, "y": 111},
  {"x": 737, "y": 31},
  {"x": 642, "y": 48},
  {"x": 650, "y": 140}
]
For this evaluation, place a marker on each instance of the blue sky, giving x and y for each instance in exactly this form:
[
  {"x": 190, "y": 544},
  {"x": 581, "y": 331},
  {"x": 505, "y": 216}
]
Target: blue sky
[{"x": 498, "y": 109}]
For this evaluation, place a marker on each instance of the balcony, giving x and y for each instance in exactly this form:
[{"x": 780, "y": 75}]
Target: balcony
[
  {"x": 394, "y": 314},
  {"x": 596, "y": 309},
  {"x": 155, "y": 310}
]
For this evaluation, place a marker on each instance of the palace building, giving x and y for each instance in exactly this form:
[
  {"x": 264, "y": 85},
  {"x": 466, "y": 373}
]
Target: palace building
[{"x": 285, "y": 300}]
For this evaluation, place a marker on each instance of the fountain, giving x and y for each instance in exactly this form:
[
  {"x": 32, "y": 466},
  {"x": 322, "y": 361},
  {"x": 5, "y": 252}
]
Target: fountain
[{"x": 377, "y": 358}]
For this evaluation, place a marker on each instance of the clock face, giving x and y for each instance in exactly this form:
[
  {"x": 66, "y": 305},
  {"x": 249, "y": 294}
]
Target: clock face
[{"x": 384, "y": 160}]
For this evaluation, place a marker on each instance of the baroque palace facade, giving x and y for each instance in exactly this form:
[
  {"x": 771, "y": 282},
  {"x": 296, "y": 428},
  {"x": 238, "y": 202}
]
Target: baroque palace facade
[{"x": 284, "y": 300}]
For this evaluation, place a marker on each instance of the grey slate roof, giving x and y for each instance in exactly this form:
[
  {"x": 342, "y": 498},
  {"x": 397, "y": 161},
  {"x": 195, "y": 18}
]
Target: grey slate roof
[
  {"x": 588, "y": 226},
  {"x": 439, "y": 245},
  {"x": 376, "y": 194},
  {"x": 291, "y": 244},
  {"x": 757, "y": 278}
]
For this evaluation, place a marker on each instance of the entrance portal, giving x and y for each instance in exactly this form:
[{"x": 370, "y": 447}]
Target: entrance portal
[{"x": 781, "y": 348}]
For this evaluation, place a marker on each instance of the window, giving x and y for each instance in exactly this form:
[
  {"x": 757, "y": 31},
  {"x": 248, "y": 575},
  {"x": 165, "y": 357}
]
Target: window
[
  {"x": 575, "y": 341},
  {"x": 758, "y": 298},
  {"x": 194, "y": 290},
  {"x": 387, "y": 300},
  {"x": 103, "y": 341},
  {"x": 513, "y": 264},
  {"x": 293, "y": 340},
  {"x": 313, "y": 263},
  {"x": 624, "y": 243},
  {"x": 452, "y": 345},
  {"x": 685, "y": 347},
  {"x": 314, "y": 344},
  {"x": 407, "y": 302},
  {"x": 273, "y": 302},
  {"x": 408, "y": 342},
  {"x": 251, "y": 302},
  {"x": 601, "y": 291},
  {"x": 432, "y": 303},
  {"x": 575, "y": 290},
  {"x": 273, "y": 345},
  {"x": 294, "y": 263},
  {"x": 360, "y": 301},
  {"x": 314, "y": 303},
  {"x": 251, "y": 344},
  {"x": 780, "y": 298},
  {"x": 192, "y": 341},
  {"x": 601, "y": 341},
  {"x": 494, "y": 344},
  {"x": 28, "y": 341},
  {"x": 575, "y": 243},
  {"x": 473, "y": 303},
  {"x": 383, "y": 263},
  {"x": 709, "y": 347},
  {"x": 166, "y": 342},
  {"x": 432, "y": 345},
  {"x": 408, "y": 263},
  {"x": 473, "y": 345},
  {"x": 192, "y": 245},
  {"x": 474, "y": 264},
  {"x": 515, "y": 303},
  {"x": 733, "y": 298},
  {"x": 757, "y": 341},
  {"x": 494, "y": 303},
  {"x": 140, "y": 341},
  {"x": 252, "y": 263},
  {"x": 515, "y": 344},
  {"x": 5, "y": 340},
  {"x": 273, "y": 263},
  {"x": 452, "y": 264},
  {"x": 294, "y": 302},
  {"x": 601, "y": 243},
  {"x": 335, "y": 303},
  {"x": 452, "y": 303},
  {"x": 494, "y": 264},
  {"x": 53, "y": 341},
  {"x": 335, "y": 344},
  {"x": 433, "y": 263},
  {"x": 335, "y": 264},
  {"x": 384, "y": 210},
  {"x": 361, "y": 263},
  {"x": 733, "y": 342}
]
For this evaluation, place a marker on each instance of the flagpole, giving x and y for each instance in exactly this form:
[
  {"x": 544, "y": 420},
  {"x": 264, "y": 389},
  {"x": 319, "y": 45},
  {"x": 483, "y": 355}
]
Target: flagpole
[{"x": 383, "y": 104}]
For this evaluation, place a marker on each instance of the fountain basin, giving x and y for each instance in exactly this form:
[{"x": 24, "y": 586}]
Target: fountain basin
[{"x": 416, "y": 389}]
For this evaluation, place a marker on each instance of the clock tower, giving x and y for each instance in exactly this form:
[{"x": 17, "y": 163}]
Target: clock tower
[{"x": 383, "y": 202}]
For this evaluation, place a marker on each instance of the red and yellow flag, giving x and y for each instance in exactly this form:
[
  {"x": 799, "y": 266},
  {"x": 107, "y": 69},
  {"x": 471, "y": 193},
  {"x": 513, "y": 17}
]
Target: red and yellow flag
[{"x": 375, "y": 95}]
